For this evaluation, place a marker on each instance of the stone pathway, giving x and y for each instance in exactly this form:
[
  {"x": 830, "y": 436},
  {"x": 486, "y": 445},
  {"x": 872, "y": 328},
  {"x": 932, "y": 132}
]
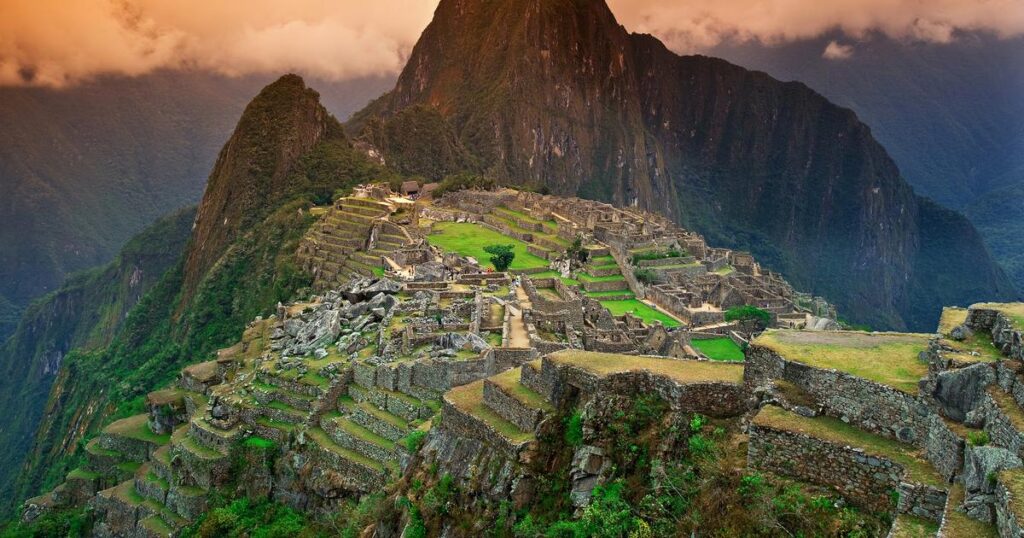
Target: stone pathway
[{"x": 518, "y": 336}]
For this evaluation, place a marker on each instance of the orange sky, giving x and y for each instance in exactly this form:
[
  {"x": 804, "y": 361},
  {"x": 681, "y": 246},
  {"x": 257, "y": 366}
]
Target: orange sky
[{"x": 56, "y": 42}]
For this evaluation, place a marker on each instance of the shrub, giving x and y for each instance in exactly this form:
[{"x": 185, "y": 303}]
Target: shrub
[
  {"x": 751, "y": 485},
  {"x": 501, "y": 256},
  {"x": 646, "y": 276},
  {"x": 749, "y": 313},
  {"x": 978, "y": 438},
  {"x": 414, "y": 440},
  {"x": 576, "y": 252},
  {"x": 439, "y": 498},
  {"x": 465, "y": 181},
  {"x": 574, "y": 429}
]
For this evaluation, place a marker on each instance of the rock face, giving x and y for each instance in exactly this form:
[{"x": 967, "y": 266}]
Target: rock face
[{"x": 559, "y": 94}]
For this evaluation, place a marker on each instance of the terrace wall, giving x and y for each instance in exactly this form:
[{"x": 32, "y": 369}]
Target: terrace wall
[
  {"x": 865, "y": 480},
  {"x": 868, "y": 405}
]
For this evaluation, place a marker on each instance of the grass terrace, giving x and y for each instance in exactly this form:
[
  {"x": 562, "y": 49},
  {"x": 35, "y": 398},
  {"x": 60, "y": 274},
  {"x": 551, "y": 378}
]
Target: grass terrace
[
  {"x": 137, "y": 427},
  {"x": 469, "y": 239},
  {"x": 837, "y": 431},
  {"x": 976, "y": 348},
  {"x": 908, "y": 526},
  {"x": 509, "y": 382},
  {"x": 958, "y": 524},
  {"x": 1013, "y": 481},
  {"x": 641, "y": 310},
  {"x": 888, "y": 358},
  {"x": 719, "y": 349},
  {"x": 683, "y": 371},
  {"x": 1014, "y": 311},
  {"x": 555, "y": 274},
  {"x": 584, "y": 277},
  {"x": 470, "y": 400}
]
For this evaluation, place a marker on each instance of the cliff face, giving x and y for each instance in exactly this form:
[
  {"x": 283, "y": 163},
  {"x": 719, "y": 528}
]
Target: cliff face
[
  {"x": 557, "y": 93},
  {"x": 84, "y": 313}
]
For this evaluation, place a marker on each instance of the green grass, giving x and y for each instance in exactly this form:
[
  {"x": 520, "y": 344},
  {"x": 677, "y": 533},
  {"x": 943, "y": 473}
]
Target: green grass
[
  {"x": 509, "y": 381},
  {"x": 136, "y": 427},
  {"x": 603, "y": 294},
  {"x": 82, "y": 474},
  {"x": 837, "y": 431},
  {"x": 469, "y": 399},
  {"x": 468, "y": 239},
  {"x": 641, "y": 310},
  {"x": 907, "y": 526},
  {"x": 887, "y": 358},
  {"x": 719, "y": 349},
  {"x": 684, "y": 371},
  {"x": 584, "y": 277},
  {"x": 359, "y": 432},
  {"x": 321, "y": 438},
  {"x": 259, "y": 442}
]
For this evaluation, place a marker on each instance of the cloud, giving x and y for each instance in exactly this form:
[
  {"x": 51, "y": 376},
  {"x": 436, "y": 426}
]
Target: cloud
[
  {"x": 58, "y": 42},
  {"x": 696, "y": 25},
  {"x": 837, "y": 51}
]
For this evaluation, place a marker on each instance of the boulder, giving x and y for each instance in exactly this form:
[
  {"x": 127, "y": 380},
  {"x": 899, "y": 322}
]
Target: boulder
[
  {"x": 958, "y": 392},
  {"x": 981, "y": 463}
]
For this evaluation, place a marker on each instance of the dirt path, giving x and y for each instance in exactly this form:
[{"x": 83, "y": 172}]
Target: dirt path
[{"x": 518, "y": 336}]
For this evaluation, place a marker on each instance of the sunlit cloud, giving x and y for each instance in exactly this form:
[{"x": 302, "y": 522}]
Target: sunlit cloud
[
  {"x": 59, "y": 42},
  {"x": 837, "y": 51}
]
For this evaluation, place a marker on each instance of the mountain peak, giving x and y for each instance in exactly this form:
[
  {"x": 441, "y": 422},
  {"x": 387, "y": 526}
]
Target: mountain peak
[{"x": 282, "y": 123}]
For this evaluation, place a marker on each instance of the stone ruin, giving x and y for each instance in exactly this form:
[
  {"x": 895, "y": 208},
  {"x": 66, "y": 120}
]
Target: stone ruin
[{"x": 419, "y": 343}]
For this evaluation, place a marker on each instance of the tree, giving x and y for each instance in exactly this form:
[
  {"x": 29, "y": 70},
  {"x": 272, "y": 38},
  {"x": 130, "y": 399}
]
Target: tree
[
  {"x": 576, "y": 252},
  {"x": 749, "y": 313},
  {"x": 501, "y": 256}
]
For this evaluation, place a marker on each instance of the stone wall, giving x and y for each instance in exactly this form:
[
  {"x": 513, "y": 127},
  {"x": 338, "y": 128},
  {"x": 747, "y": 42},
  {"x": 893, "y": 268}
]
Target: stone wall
[
  {"x": 870, "y": 406},
  {"x": 511, "y": 409},
  {"x": 943, "y": 448},
  {"x": 866, "y": 480},
  {"x": 453, "y": 420},
  {"x": 1004, "y": 334}
]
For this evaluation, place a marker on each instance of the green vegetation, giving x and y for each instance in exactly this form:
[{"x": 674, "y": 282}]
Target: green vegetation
[
  {"x": 414, "y": 440},
  {"x": 259, "y": 443},
  {"x": 719, "y": 349},
  {"x": 464, "y": 181},
  {"x": 251, "y": 519},
  {"x": 641, "y": 310},
  {"x": 887, "y": 358},
  {"x": 978, "y": 438},
  {"x": 750, "y": 313},
  {"x": 468, "y": 239},
  {"x": 75, "y": 523},
  {"x": 646, "y": 276},
  {"x": 502, "y": 256}
]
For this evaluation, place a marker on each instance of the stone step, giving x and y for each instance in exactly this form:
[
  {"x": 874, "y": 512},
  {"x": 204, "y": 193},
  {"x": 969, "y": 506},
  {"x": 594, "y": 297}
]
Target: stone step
[
  {"x": 368, "y": 474},
  {"x": 511, "y": 400},
  {"x": 151, "y": 486},
  {"x": 464, "y": 407},
  {"x": 366, "y": 202},
  {"x": 202, "y": 465},
  {"x": 160, "y": 462},
  {"x": 281, "y": 412},
  {"x": 212, "y": 436},
  {"x": 379, "y": 421},
  {"x": 266, "y": 393},
  {"x": 397, "y": 403},
  {"x": 350, "y": 207},
  {"x": 129, "y": 513},
  {"x": 132, "y": 437},
  {"x": 352, "y": 436},
  {"x": 279, "y": 432},
  {"x": 188, "y": 502},
  {"x": 957, "y": 524}
]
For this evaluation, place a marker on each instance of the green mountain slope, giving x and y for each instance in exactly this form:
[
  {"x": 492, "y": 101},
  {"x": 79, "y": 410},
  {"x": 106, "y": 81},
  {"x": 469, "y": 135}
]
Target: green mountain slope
[
  {"x": 286, "y": 153},
  {"x": 999, "y": 216},
  {"x": 84, "y": 313}
]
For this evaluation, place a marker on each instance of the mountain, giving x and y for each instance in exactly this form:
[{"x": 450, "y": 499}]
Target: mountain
[
  {"x": 84, "y": 313},
  {"x": 558, "y": 94},
  {"x": 950, "y": 114},
  {"x": 86, "y": 167},
  {"x": 285, "y": 153},
  {"x": 999, "y": 216}
]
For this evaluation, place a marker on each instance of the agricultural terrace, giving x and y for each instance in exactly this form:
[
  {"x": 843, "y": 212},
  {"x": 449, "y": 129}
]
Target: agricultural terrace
[
  {"x": 683, "y": 371},
  {"x": 888, "y": 358}
]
